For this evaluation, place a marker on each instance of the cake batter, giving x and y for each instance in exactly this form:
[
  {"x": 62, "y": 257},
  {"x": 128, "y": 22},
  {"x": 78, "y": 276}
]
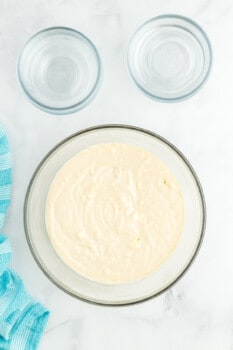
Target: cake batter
[{"x": 114, "y": 213}]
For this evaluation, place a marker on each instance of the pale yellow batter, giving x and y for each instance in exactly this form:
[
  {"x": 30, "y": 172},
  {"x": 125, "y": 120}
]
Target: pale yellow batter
[{"x": 114, "y": 213}]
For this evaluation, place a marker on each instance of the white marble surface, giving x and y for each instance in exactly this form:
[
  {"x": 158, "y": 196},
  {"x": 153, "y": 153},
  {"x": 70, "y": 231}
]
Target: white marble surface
[{"x": 197, "y": 313}]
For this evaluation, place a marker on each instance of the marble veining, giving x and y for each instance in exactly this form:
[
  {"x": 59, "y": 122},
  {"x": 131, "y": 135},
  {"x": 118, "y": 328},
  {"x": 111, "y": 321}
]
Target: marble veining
[{"x": 197, "y": 313}]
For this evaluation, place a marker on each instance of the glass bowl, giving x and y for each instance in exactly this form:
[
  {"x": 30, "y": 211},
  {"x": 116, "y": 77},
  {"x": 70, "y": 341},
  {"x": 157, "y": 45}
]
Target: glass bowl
[
  {"x": 114, "y": 294},
  {"x": 169, "y": 58},
  {"x": 59, "y": 70}
]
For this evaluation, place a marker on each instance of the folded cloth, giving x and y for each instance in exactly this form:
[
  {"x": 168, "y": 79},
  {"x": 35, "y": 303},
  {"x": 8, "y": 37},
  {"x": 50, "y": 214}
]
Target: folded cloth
[{"x": 22, "y": 320}]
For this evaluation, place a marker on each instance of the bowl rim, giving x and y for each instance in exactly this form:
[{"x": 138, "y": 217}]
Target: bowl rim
[
  {"x": 77, "y": 106},
  {"x": 137, "y": 129},
  {"x": 202, "y": 82}
]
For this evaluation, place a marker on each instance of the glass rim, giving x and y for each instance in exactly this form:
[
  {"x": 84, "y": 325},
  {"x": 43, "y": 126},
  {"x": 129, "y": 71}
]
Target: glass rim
[
  {"x": 202, "y": 82},
  {"x": 74, "y": 107},
  {"x": 197, "y": 183}
]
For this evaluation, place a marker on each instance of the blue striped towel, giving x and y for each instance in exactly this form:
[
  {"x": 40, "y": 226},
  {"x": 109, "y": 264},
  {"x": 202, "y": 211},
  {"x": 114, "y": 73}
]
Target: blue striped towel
[{"x": 22, "y": 320}]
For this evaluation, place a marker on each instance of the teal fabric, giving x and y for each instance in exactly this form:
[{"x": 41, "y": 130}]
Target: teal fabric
[{"x": 22, "y": 320}]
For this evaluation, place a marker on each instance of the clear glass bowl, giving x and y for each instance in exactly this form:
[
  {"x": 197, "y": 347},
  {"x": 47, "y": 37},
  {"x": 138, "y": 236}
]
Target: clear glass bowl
[
  {"x": 114, "y": 294},
  {"x": 59, "y": 70},
  {"x": 169, "y": 58}
]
